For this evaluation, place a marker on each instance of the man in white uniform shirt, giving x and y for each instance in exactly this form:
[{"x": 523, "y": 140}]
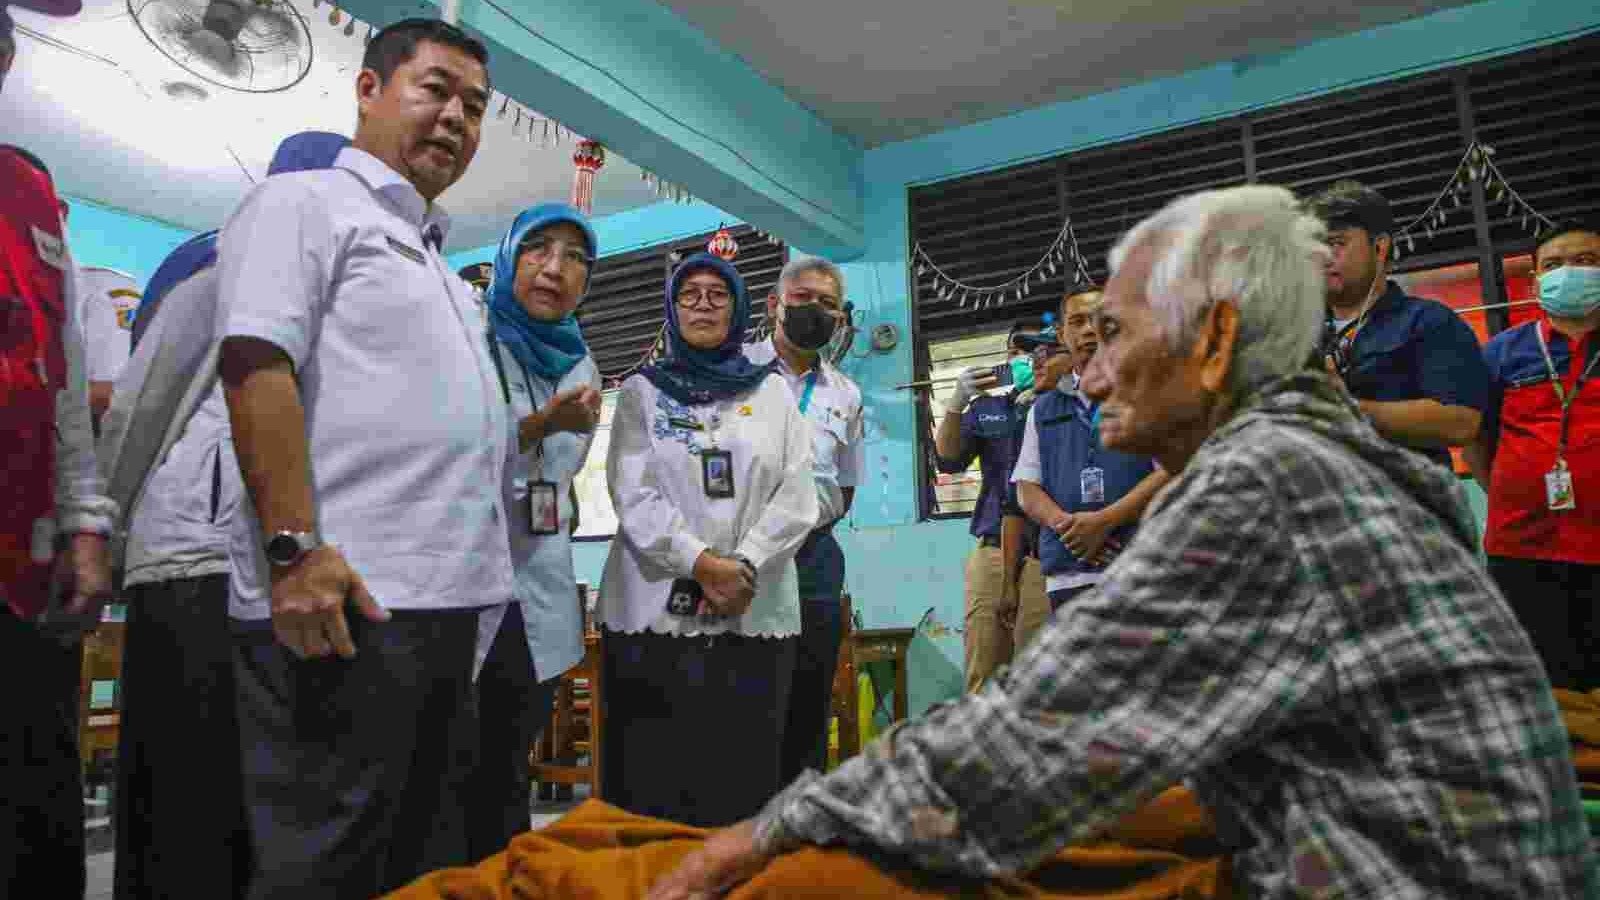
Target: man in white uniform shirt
[
  {"x": 806, "y": 309},
  {"x": 371, "y": 435},
  {"x": 178, "y": 750},
  {"x": 109, "y": 299}
]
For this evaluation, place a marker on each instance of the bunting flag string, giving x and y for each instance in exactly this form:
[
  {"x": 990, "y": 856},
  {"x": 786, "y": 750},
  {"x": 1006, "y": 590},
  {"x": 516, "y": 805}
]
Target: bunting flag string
[
  {"x": 1476, "y": 166},
  {"x": 1063, "y": 253}
]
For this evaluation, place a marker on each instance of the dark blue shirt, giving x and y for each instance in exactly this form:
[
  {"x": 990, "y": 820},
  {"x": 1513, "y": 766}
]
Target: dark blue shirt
[
  {"x": 1010, "y": 505},
  {"x": 989, "y": 434},
  {"x": 1415, "y": 349}
]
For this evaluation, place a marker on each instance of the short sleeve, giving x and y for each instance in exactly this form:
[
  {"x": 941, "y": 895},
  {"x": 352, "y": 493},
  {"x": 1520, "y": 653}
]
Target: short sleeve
[
  {"x": 105, "y": 329},
  {"x": 275, "y": 265},
  {"x": 1452, "y": 368}
]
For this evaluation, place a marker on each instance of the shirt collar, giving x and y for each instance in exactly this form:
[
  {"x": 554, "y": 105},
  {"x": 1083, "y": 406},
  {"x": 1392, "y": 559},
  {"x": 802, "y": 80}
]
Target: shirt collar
[
  {"x": 400, "y": 193},
  {"x": 769, "y": 351}
]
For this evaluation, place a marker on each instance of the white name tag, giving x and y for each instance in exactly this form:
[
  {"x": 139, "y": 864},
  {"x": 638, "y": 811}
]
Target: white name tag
[
  {"x": 50, "y": 248},
  {"x": 1558, "y": 489}
]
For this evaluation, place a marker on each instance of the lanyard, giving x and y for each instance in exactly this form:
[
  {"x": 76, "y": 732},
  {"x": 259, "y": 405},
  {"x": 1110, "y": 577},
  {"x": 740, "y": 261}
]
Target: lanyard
[
  {"x": 805, "y": 395},
  {"x": 1565, "y": 399},
  {"x": 1346, "y": 338},
  {"x": 499, "y": 370}
]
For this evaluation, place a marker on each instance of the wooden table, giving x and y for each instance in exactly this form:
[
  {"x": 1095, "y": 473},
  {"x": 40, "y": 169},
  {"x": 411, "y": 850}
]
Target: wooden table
[{"x": 868, "y": 645}]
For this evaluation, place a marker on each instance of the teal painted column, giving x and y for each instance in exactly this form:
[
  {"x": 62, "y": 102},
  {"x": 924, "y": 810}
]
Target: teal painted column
[{"x": 634, "y": 76}]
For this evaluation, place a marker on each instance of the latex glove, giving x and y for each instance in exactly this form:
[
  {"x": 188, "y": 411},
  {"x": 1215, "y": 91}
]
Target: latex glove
[{"x": 969, "y": 384}]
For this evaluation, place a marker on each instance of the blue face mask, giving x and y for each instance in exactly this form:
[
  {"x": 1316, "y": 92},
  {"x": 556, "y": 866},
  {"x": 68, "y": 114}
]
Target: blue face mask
[{"x": 1570, "y": 292}]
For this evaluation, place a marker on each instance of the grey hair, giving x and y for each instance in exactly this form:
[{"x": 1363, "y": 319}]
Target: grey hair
[
  {"x": 1253, "y": 245},
  {"x": 798, "y": 266}
]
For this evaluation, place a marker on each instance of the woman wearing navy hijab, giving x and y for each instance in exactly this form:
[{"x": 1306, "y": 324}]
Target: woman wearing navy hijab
[
  {"x": 541, "y": 272},
  {"x": 709, "y": 470}
]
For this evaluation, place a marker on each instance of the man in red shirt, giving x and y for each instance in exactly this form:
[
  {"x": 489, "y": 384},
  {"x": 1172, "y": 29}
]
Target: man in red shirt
[
  {"x": 54, "y": 519},
  {"x": 1539, "y": 457}
]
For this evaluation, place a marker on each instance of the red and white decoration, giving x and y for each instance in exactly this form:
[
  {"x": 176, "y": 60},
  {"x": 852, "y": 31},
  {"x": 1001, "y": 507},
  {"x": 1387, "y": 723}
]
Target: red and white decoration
[
  {"x": 722, "y": 245},
  {"x": 588, "y": 158}
]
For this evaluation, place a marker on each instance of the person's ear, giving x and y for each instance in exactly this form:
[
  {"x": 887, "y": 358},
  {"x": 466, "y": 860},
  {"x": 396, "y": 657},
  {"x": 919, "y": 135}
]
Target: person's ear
[
  {"x": 1215, "y": 345},
  {"x": 1383, "y": 246},
  {"x": 368, "y": 87}
]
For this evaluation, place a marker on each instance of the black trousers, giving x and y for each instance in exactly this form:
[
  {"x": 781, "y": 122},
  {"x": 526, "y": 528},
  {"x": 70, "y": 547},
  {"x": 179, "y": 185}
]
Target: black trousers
[
  {"x": 354, "y": 769},
  {"x": 805, "y": 734},
  {"x": 513, "y": 706},
  {"x": 694, "y": 725},
  {"x": 1558, "y": 604},
  {"x": 180, "y": 802},
  {"x": 41, "y": 777}
]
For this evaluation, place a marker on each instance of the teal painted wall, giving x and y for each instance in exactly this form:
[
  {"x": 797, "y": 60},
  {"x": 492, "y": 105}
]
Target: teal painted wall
[
  {"x": 632, "y": 229},
  {"x": 101, "y": 236}
]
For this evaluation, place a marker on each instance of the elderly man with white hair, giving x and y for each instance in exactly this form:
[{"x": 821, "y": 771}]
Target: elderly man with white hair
[{"x": 1300, "y": 629}]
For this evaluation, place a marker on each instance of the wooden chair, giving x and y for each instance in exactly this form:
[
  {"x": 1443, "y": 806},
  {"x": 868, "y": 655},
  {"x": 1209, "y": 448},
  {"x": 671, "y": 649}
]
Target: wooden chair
[
  {"x": 568, "y": 752},
  {"x": 846, "y": 696}
]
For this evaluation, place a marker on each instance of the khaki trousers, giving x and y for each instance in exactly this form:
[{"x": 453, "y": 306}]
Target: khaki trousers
[{"x": 995, "y": 627}]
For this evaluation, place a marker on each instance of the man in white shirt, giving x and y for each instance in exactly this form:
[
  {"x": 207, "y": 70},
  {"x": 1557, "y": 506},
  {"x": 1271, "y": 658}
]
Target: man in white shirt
[
  {"x": 178, "y": 779},
  {"x": 108, "y": 300},
  {"x": 807, "y": 308},
  {"x": 371, "y": 435}
]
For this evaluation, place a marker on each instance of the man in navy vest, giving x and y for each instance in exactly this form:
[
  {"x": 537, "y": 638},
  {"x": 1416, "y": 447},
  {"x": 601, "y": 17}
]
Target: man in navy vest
[
  {"x": 1085, "y": 498},
  {"x": 980, "y": 424}
]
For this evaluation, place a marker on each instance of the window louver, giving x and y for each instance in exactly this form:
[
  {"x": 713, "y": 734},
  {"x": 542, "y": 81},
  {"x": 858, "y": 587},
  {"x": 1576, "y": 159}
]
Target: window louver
[{"x": 623, "y": 312}]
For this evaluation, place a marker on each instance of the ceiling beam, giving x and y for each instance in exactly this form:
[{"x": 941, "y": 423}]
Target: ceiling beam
[{"x": 634, "y": 76}]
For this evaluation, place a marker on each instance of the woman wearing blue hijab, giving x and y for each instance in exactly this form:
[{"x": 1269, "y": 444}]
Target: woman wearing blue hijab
[
  {"x": 709, "y": 469},
  {"x": 541, "y": 272}
]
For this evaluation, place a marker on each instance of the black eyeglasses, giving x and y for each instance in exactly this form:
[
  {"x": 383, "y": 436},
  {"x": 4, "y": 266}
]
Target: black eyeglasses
[{"x": 716, "y": 298}]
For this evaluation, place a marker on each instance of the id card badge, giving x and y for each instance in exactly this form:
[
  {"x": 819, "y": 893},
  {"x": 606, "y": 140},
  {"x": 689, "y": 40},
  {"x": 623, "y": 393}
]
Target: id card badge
[
  {"x": 1558, "y": 494},
  {"x": 716, "y": 472},
  {"x": 544, "y": 510},
  {"x": 1092, "y": 481}
]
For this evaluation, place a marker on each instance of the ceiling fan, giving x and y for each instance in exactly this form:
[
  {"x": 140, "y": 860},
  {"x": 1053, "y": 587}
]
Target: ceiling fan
[{"x": 253, "y": 46}]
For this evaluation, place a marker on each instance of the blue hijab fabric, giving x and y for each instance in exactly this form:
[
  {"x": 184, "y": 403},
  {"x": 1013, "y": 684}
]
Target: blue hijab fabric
[
  {"x": 546, "y": 349},
  {"x": 692, "y": 376}
]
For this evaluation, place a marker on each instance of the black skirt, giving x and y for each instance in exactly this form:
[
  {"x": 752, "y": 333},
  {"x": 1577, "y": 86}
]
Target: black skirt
[{"x": 694, "y": 725}]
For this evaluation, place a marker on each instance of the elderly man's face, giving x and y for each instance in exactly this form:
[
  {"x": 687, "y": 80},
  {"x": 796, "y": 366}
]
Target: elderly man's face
[{"x": 1152, "y": 400}]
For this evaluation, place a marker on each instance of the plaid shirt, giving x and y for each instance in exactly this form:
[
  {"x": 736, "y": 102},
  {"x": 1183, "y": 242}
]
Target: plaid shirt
[{"x": 1302, "y": 629}]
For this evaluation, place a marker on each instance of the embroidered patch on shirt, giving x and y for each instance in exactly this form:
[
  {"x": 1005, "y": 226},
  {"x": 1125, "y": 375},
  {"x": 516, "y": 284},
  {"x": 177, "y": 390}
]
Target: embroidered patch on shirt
[{"x": 408, "y": 252}]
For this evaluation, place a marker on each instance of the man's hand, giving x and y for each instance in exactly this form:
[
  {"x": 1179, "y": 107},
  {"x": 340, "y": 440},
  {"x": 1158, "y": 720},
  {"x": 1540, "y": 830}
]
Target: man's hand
[
  {"x": 727, "y": 859},
  {"x": 969, "y": 384},
  {"x": 1327, "y": 363},
  {"x": 576, "y": 411},
  {"x": 1084, "y": 533},
  {"x": 83, "y": 573},
  {"x": 308, "y": 600},
  {"x": 728, "y": 585}
]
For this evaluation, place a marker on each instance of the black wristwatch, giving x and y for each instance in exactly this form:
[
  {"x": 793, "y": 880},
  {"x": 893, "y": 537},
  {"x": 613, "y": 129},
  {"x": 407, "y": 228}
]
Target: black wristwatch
[
  {"x": 745, "y": 563},
  {"x": 286, "y": 548}
]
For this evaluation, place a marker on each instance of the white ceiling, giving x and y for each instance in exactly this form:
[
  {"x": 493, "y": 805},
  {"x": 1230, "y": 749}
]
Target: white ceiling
[
  {"x": 113, "y": 135},
  {"x": 886, "y": 70}
]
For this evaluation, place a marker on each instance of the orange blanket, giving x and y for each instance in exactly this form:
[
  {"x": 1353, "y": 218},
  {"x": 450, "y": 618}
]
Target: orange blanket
[
  {"x": 598, "y": 852},
  {"x": 1164, "y": 850},
  {"x": 1582, "y": 713}
]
